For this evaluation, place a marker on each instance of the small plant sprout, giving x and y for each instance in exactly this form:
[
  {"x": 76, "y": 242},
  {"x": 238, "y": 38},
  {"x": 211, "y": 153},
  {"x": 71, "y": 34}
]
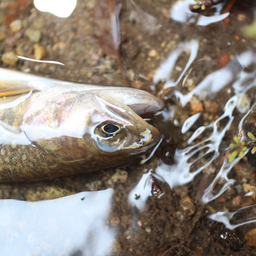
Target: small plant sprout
[
  {"x": 252, "y": 143},
  {"x": 238, "y": 149},
  {"x": 199, "y": 5}
]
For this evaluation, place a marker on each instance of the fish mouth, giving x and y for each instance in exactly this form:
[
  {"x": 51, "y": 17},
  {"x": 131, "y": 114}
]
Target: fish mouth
[{"x": 148, "y": 139}]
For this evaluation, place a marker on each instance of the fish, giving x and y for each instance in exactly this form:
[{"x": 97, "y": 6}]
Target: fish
[{"x": 51, "y": 128}]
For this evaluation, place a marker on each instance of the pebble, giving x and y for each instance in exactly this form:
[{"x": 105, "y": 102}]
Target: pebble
[
  {"x": 196, "y": 106},
  {"x": 120, "y": 176},
  {"x": 148, "y": 229},
  {"x": 237, "y": 201},
  {"x": 19, "y": 50},
  {"x": 243, "y": 102},
  {"x": 2, "y": 36},
  {"x": 16, "y": 26},
  {"x": 187, "y": 205},
  {"x": 249, "y": 188},
  {"x": 9, "y": 58},
  {"x": 137, "y": 84},
  {"x": 131, "y": 75},
  {"x": 39, "y": 51},
  {"x": 152, "y": 53},
  {"x": 250, "y": 237},
  {"x": 33, "y": 35}
]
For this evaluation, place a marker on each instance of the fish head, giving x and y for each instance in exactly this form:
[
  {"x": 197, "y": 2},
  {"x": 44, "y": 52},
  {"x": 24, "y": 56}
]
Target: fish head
[
  {"x": 97, "y": 129},
  {"x": 118, "y": 129}
]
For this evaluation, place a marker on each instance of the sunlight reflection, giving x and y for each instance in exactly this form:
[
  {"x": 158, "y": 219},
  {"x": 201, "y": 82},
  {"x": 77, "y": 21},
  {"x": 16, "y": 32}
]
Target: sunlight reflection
[
  {"x": 60, "y": 8},
  {"x": 63, "y": 226}
]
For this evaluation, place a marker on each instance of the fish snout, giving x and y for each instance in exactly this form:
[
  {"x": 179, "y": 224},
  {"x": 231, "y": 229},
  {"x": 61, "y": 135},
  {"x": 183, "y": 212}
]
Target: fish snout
[{"x": 147, "y": 139}]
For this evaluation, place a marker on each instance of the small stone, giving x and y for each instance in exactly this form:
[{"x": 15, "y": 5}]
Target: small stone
[
  {"x": 114, "y": 221},
  {"x": 9, "y": 58},
  {"x": 236, "y": 201},
  {"x": 131, "y": 75},
  {"x": 152, "y": 53},
  {"x": 2, "y": 36},
  {"x": 33, "y": 35},
  {"x": 249, "y": 188},
  {"x": 137, "y": 84},
  {"x": 39, "y": 51},
  {"x": 148, "y": 229},
  {"x": 139, "y": 223},
  {"x": 196, "y": 106},
  {"x": 243, "y": 102},
  {"x": 250, "y": 237},
  {"x": 19, "y": 50},
  {"x": 187, "y": 205},
  {"x": 119, "y": 176},
  {"x": 16, "y": 26}
]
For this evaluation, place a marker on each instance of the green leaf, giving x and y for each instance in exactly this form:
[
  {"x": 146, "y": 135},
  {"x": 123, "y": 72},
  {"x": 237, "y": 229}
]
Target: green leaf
[
  {"x": 196, "y": 6},
  {"x": 251, "y": 136},
  {"x": 241, "y": 154},
  {"x": 233, "y": 156},
  {"x": 236, "y": 139},
  {"x": 253, "y": 150},
  {"x": 232, "y": 145}
]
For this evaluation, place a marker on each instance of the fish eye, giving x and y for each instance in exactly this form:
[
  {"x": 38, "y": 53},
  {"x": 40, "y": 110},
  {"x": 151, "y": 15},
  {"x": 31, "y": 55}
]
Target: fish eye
[{"x": 109, "y": 130}]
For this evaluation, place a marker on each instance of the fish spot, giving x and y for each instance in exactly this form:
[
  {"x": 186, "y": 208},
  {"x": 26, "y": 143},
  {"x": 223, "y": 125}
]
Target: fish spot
[
  {"x": 14, "y": 145},
  {"x": 24, "y": 157},
  {"x": 7, "y": 159}
]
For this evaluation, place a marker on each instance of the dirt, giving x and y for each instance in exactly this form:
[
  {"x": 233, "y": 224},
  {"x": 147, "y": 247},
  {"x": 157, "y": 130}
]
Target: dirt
[{"x": 175, "y": 223}]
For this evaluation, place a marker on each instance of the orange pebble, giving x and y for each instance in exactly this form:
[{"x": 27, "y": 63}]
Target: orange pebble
[{"x": 223, "y": 60}]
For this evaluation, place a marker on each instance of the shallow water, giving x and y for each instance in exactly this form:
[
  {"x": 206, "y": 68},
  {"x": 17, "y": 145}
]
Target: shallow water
[{"x": 203, "y": 67}]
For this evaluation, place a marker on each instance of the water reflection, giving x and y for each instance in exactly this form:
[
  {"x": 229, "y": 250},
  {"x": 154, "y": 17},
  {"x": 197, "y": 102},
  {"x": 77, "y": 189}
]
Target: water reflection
[
  {"x": 181, "y": 12},
  {"x": 60, "y": 8},
  {"x": 188, "y": 161},
  {"x": 236, "y": 219},
  {"x": 64, "y": 226}
]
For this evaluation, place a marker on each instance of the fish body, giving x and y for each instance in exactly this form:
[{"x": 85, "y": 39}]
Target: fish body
[{"x": 51, "y": 128}]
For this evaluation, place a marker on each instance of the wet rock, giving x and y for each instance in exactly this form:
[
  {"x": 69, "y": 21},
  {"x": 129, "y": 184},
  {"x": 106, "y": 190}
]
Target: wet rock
[
  {"x": 119, "y": 176},
  {"x": 243, "y": 102},
  {"x": 187, "y": 206},
  {"x": 196, "y": 106},
  {"x": 223, "y": 60},
  {"x": 152, "y": 53},
  {"x": 148, "y": 229},
  {"x": 249, "y": 188},
  {"x": 19, "y": 50},
  {"x": 39, "y": 52},
  {"x": 237, "y": 201},
  {"x": 33, "y": 35},
  {"x": 131, "y": 75},
  {"x": 2, "y": 36},
  {"x": 9, "y": 58},
  {"x": 16, "y": 26},
  {"x": 114, "y": 220},
  {"x": 250, "y": 237}
]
